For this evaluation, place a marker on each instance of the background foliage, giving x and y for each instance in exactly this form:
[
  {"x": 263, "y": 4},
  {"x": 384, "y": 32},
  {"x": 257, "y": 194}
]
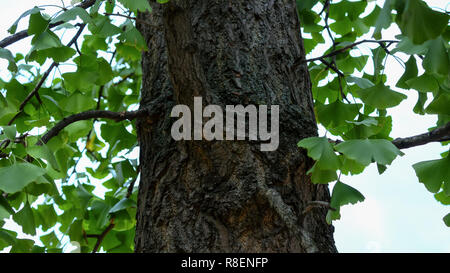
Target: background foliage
[{"x": 46, "y": 190}]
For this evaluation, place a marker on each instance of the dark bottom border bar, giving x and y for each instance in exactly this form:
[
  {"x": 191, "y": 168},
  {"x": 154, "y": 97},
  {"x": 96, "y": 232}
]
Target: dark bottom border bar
[{"x": 308, "y": 263}]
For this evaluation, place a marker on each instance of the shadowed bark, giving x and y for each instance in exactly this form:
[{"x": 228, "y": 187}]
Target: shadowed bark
[{"x": 227, "y": 196}]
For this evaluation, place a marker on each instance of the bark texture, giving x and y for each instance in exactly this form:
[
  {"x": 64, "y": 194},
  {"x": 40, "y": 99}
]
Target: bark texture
[{"x": 227, "y": 196}]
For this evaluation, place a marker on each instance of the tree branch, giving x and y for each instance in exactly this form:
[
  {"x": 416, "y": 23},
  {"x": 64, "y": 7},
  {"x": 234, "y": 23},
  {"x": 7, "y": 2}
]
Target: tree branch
[
  {"x": 24, "y": 33},
  {"x": 89, "y": 115},
  {"x": 440, "y": 134}
]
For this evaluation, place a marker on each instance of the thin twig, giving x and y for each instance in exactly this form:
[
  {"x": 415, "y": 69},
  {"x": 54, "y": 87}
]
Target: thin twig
[
  {"x": 336, "y": 52},
  {"x": 131, "y": 186},
  {"x": 102, "y": 236},
  {"x": 317, "y": 204}
]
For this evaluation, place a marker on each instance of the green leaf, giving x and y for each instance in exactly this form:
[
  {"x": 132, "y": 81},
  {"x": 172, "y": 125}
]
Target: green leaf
[
  {"x": 319, "y": 176},
  {"x": 50, "y": 240},
  {"x": 16, "y": 177},
  {"x": 128, "y": 52},
  {"x": 78, "y": 129},
  {"x": 117, "y": 136},
  {"x": 37, "y": 24},
  {"x": 337, "y": 113},
  {"x": 433, "y": 173},
  {"x": 446, "y": 220},
  {"x": 10, "y": 131},
  {"x": 137, "y": 5},
  {"x": 350, "y": 166},
  {"x": 72, "y": 14},
  {"x": 5, "y": 207},
  {"x": 6, "y": 54},
  {"x": 380, "y": 96},
  {"x": 321, "y": 150},
  {"x": 424, "y": 83},
  {"x": 13, "y": 28},
  {"x": 81, "y": 80},
  {"x": 303, "y": 4},
  {"x": 102, "y": 27},
  {"x": 420, "y": 23},
  {"x": 122, "y": 204},
  {"x": 132, "y": 37},
  {"x": 410, "y": 73},
  {"x": 43, "y": 152},
  {"x": 342, "y": 195},
  {"x": 25, "y": 218},
  {"x": 22, "y": 246},
  {"x": 77, "y": 102},
  {"x": 7, "y": 238},
  {"x": 362, "y": 83},
  {"x": 383, "y": 20},
  {"x": 437, "y": 59},
  {"x": 443, "y": 197},
  {"x": 45, "y": 216},
  {"x": 369, "y": 150},
  {"x": 440, "y": 104},
  {"x": 421, "y": 100},
  {"x": 76, "y": 231},
  {"x": 48, "y": 45},
  {"x": 406, "y": 46}
]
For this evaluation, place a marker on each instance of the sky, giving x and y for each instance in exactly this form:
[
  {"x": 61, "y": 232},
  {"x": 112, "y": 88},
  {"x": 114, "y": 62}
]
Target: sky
[{"x": 398, "y": 214}]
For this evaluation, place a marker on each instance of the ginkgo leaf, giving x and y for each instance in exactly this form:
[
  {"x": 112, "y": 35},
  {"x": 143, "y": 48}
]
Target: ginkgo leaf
[
  {"x": 433, "y": 173},
  {"x": 327, "y": 162},
  {"x": 37, "y": 24},
  {"x": 366, "y": 151},
  {"x": 437, "y": 59},
  {"x": 77, "y": 102},
  {"x": 423, "y": 83},
  {"x": 343, "y": 194},
  {"x": 410, "y": 72},
  {"x": 6, "y": 54},
  {"x": 72, "y": 14},
  {"x": 136, "y": 5},
  {"x": 321, "y": 150},
  {"x": 420, "y": 23},
  {"x": 362, "y": 83},
  {"x": 337, "y": 113},
  {"x": 25, "y": 218},
  {"x": 16, "y": 177},
  {"x": 122, "y": 204},
  {"x": 9, "y": 131},
  {"x": 380, "y": 96},
  {"x": 446, "y": 220},
  {"x": 44, "y": 152},
  {"x": 13, "y": 28},
  {"x": 384, "y": 19},
  {"x": 440, "y": 104},
  {"x": 319, "y": 176}
]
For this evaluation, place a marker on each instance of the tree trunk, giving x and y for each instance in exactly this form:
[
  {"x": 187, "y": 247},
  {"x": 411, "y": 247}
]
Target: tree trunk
[{"x": 227, "y": 196}]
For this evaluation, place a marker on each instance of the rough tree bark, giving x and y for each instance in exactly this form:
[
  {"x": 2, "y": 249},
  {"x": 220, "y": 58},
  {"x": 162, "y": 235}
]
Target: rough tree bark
[{"x": 227, "y": 196}]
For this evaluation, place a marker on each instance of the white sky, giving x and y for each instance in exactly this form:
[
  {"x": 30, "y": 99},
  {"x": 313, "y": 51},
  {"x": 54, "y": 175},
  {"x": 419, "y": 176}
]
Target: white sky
[{"x": 399, "y": 214}]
